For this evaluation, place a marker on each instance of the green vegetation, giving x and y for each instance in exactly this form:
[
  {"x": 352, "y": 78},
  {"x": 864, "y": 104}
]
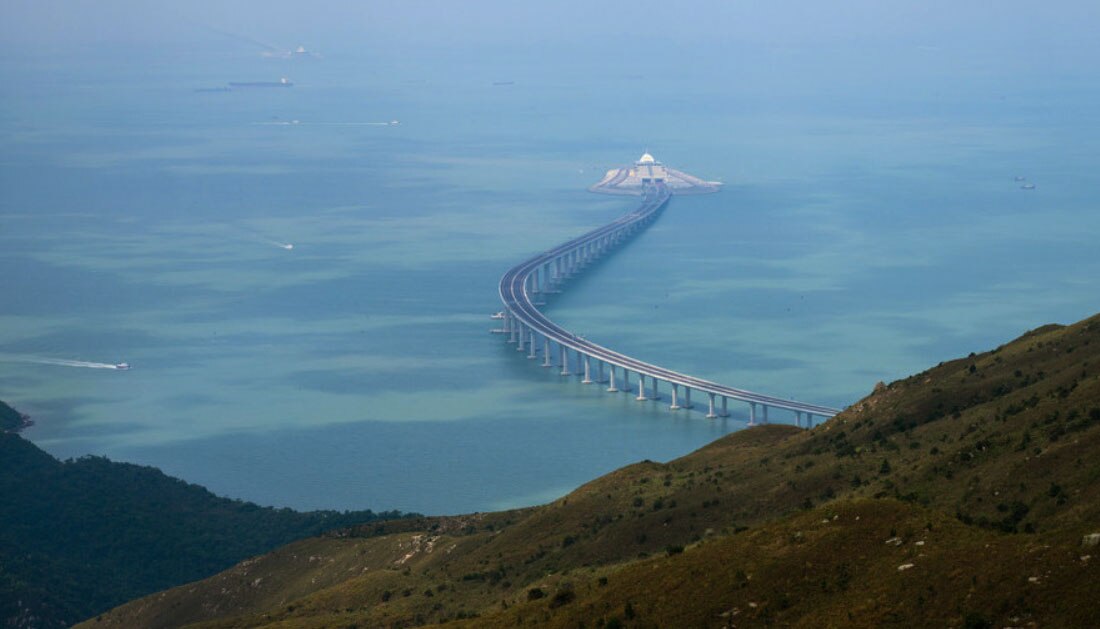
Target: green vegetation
[
  {"x": 962, "y": 496},
  {"x": 11, "y": 420},
  {"x": 79, "y": 537}
]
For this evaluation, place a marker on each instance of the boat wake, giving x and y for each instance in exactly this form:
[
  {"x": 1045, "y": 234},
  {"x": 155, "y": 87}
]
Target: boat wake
[
  {"x": 271, "y": 241},
  {"x": 288, "y": 123},
  {"x": 63, "y": 362}
]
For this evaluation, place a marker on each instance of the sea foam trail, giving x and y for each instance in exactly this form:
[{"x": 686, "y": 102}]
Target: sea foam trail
[
  {"x": 61, "y": 362},
  {"x": 286, "y": 123},
  {"x": 270, "y": 241}
]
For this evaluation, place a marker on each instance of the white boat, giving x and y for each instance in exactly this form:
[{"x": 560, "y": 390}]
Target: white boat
[
  {"x": 122, "y": 366},
  {"x": 498, "y": 315}
]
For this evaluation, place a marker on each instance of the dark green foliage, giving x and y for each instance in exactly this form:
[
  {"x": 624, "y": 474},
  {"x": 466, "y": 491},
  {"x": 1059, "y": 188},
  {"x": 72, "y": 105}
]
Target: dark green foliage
[
  {"x": 974, "y": 620},
  {"x": 10, "y": 419},
  {"x": 80, "y": 537},
  {"x": 563, "y": 596}
]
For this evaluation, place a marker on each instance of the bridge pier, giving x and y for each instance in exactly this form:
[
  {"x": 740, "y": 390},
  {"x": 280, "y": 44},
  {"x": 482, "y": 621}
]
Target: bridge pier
[{"x": 526, "y": 286}]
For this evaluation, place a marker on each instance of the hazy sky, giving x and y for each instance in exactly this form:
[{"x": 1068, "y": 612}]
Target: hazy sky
[{"x": 1006, "y": 23}]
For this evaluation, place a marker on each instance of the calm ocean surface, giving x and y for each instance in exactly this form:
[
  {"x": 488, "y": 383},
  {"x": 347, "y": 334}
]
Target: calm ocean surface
[{"x": 870, "y": 227}]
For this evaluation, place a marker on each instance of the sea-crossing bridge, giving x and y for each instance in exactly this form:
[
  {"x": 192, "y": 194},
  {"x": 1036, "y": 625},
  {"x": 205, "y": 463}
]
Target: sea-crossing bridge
[{"x": 523, "y": 288}]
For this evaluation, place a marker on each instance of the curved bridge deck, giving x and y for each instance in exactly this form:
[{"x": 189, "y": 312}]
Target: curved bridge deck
[{"x": 522, "y": 289}]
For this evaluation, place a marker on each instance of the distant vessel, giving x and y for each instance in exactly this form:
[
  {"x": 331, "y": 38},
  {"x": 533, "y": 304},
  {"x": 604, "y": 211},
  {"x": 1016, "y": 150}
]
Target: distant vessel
[
  {"x": 498, "y": 315},
  {"x": 122, "y": 366},
  {"x": 1028, "y": 186},
  {"x": 283, "y": 82}
]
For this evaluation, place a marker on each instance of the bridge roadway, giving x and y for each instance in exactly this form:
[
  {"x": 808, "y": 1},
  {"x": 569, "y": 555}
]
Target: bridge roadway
[{"x": 545, "y": 272}]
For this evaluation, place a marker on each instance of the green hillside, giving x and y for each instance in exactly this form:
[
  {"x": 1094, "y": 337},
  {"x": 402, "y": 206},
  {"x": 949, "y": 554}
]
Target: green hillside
[
  {"x": 82, "y": 536},
  {"x": 962, "y": 496},
  {"x": 11, "y": 420}
]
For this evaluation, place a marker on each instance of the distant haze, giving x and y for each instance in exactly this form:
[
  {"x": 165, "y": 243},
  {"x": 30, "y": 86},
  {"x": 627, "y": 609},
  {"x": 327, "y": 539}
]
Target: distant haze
[{"x": 633, "y": 28}]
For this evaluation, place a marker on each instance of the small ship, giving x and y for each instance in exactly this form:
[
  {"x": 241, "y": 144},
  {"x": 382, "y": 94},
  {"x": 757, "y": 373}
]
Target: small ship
[
  {"x": 283, "y": 82},
  {"x": 122, "y": 366}
]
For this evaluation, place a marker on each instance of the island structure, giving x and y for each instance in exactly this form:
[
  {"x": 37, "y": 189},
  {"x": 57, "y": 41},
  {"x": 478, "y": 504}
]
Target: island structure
[{"x": 633, "y": 180}]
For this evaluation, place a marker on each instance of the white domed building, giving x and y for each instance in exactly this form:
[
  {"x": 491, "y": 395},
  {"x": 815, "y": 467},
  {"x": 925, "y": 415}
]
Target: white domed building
[{"x": 647, "y": 170}]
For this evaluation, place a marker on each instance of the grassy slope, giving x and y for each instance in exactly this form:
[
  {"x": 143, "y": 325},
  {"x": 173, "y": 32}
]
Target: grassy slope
[{"x": 995, "y": 451}]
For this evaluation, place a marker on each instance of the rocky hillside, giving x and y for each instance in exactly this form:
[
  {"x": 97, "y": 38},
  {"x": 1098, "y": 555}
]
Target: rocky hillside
[{"x": 966, "y": 495}]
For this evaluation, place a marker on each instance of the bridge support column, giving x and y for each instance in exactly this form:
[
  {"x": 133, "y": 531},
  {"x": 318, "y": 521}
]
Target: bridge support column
[
  {"x": 564, "y": 360},
  {"x": 510, "y": 324},
  {"x": 626, "y": 380},
  {"x": 535, "y": 280},
  {"x": 641, "y": 389},
  {"x": 546, "y": 362},
  {"x": 534, "y": 348},
  {"x": 587, "y": 370},
  {"x": 675, "y": 406},
  {"x": 809, "y": 420},
  {"x": 710, "y": 412},
  {"x": 725, "y": 412},
  {"x": 798, "y": 418},
  {"x": 599, "y": 371},
  {"x": 752, "y": 413},
  {"x": 656, "y": 395},
  {"x": 520, "y": 341},
  {"x": 611, "y": 383},
  {"x": 687, "y": 397},
  {"x": 765, "y": 409}
]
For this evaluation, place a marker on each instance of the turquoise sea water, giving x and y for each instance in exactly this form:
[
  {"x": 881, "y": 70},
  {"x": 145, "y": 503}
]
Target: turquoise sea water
[{"x": 870, "y": 227}]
